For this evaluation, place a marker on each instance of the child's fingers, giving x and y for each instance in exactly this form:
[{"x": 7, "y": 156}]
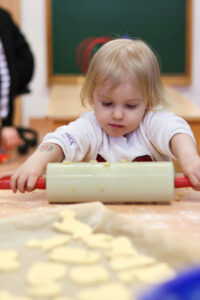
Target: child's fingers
[
  {"x": 21, "y": 183},
  {"x": 13, "y": 183},
  {"x": 18, "y": 183},
  {"x": 31, "y": 182},
  {"x": 195, "y": 180}
]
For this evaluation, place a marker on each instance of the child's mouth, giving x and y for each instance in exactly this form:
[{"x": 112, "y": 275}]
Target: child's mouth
[{"x": 116, "y": 125}]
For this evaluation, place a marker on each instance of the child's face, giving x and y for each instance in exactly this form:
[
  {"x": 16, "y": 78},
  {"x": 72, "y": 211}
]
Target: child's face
[{"x": 120, "y": 110}]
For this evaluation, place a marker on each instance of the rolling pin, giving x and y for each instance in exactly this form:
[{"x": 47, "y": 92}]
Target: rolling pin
[{"x": 108, "y": 182}]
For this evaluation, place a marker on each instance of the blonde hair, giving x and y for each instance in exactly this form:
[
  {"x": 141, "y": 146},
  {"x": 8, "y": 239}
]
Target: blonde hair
[{"x": 124, "y": 59}]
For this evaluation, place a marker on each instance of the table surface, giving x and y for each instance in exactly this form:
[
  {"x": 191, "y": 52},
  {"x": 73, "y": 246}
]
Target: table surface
[{"x": 182, "y": 217}]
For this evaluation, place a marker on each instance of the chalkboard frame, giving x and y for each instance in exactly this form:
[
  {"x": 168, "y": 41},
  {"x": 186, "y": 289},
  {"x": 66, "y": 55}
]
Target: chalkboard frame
[{"x": 175, "y": 79}]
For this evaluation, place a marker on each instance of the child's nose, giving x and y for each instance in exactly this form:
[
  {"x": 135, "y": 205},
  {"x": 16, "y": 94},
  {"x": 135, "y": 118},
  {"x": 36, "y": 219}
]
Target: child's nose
[{"x": 118, "y": 113}]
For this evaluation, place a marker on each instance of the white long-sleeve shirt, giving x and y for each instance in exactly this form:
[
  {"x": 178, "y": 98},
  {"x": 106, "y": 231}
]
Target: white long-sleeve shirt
[{"x": 84, "y": 140}]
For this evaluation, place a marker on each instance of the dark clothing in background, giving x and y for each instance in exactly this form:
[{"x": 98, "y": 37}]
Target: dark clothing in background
[{"x": 19, "y": 59}]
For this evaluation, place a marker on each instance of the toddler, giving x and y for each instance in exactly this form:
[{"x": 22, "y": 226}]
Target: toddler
[{"x": 128, "y": 121}]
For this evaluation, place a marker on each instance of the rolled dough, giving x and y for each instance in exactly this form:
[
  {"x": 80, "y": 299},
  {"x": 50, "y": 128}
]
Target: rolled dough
[
  {"x": 42, "y": 273},
  {"x": 98, "y": 240},
  {"x": 121, "y": 246},
  {"x": 109, "y": 249},
  {"x": 49, "y": 243},
  {"x": 72, "y": 226},
  {"x": 9, "y": 260},
  {"x": 67, "y": 214}
]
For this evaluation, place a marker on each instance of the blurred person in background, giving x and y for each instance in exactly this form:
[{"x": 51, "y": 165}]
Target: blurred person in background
[{"x": 16, "y": 71}]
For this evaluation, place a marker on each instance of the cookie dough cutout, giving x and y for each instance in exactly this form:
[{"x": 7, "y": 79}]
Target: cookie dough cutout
[
  {"x": 74, "y": 255},
  {"x": 9, "y": 260},
  {"x": 149, "y": 274},
  {"x": 89, "y": 274},
  {"x": 126, "y": 262},
  {"x": 109, "y": 291},
  {"x": 67, "y": 214},
  {"x": 72, "y": 226},
  {"x": 121, "y": 246},
  {"x": 49, "y": 290},
  {"x": 98, "y": 240},
  {"x": 42, "y": 273},
  {"x": 4, "y": 295},
  {"x": 49, "y": 243}
]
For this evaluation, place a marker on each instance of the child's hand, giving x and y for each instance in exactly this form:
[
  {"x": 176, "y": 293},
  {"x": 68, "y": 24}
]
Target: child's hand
[
  {"x": 191, "y": 169},
  {"x": 24, "y": 179},
  {"x": 185, "y": 150}
]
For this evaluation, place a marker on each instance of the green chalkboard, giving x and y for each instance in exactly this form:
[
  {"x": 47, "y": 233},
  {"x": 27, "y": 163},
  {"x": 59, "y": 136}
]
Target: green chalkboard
[{"x": 161, "y": 23}]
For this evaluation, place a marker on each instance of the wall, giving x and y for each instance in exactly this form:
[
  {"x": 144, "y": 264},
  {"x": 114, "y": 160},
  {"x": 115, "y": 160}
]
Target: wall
[
  {"x": 193, "y": 92},
  {"x": 33, "y": 25}
]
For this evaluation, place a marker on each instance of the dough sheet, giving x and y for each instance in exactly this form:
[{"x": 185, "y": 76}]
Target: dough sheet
[{"x": 16, "y": 231}]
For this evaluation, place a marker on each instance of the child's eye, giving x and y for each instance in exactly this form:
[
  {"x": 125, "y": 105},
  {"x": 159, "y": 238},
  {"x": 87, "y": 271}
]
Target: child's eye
[
  {"x": 130, "y": 106},
  {"x": 106, "y": 103}
]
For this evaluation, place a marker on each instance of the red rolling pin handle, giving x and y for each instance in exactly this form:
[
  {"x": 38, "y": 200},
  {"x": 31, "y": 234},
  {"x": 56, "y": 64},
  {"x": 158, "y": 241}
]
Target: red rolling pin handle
[
  {"x": 41, "y": 183},
  {"x": 179, "y": 182},
  {"x": 5, "y": 183}
]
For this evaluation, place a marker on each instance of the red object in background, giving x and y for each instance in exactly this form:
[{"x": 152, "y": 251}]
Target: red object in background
[
  {"x": 85, "y": 50},
  {"x": 4, "y": 157}
]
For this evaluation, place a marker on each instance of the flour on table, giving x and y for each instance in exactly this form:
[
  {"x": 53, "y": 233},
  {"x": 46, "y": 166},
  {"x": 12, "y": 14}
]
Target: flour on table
[
  {"x": 74, "y": 255},
  {"x": 109, "y": 291},
  {"x": 9, "y": 260},
  {"x": 89, "y": 274},
  {"x": 49, "y": 243}
]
